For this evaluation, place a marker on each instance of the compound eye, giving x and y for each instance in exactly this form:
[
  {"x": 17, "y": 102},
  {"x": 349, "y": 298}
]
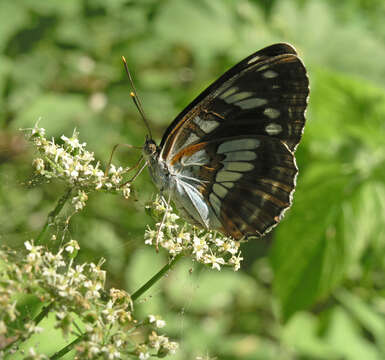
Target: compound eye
[{"x": 152, "y": 148}]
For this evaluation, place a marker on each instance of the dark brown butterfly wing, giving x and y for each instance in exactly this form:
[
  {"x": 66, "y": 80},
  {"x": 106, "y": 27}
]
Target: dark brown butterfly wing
[{"x": 247, "y": 125}]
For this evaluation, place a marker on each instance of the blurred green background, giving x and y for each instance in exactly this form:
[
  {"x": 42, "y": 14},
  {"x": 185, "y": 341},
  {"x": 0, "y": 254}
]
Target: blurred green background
[{"x": 314, "y": 288}]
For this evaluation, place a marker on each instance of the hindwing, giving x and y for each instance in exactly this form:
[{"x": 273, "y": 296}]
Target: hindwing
[{"x": 247, "y": 181}]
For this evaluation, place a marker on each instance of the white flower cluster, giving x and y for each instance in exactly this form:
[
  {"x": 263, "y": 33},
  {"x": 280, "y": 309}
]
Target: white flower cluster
[
  {"x": 75, "y": 292},
  {"x": 207, "y": 247},
  {"x": 71, "y": 162}
]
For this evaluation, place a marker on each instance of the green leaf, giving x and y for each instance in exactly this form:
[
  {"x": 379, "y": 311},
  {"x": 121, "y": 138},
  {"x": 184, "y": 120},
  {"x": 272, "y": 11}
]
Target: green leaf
[
  {"x": 301, "y": 333},
  {"x": 208, "y": 290},
  {"x": 365, "y": 315},
  {"x": 347, "y": 338},
  {"x": 333, "y": 45},
  {"x": 9, "y": 25},
  {"x": 205, "y": 26},
  {"x": 331, "y": 223},
  {"x": 310, "y": 252},
  {"x": 58, "y": 113}
]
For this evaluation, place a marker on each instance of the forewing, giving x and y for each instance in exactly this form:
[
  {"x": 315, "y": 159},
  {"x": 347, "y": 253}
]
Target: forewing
[{"x": 265, "y": 94}]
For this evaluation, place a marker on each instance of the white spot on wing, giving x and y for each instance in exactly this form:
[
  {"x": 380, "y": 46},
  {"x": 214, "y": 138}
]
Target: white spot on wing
[
  {"x": 272, "y": 113},
  {"x": 238, "y": 97},
  {"x": 273, "y": 128},
  {"x": 198, "y": 158},
  {"x": 251, "y": 103},
  {"x": 264, "y": 67},
  {"x": 253, "y": 59},
  {"x": 238, "y": 144},
  {"x": 191, "y": 139},
  {"x": 220, "y": 190},
  {"x": 227, "y": 176},
  {"x": 228, "y": 92},
  {"x": 228, "y": 184},
  {"x": 270, "y": 74},
  {"x": 240, "y": 156},
  {"x": 239, "y": 166},
  {"x": 206, "y": 125}
]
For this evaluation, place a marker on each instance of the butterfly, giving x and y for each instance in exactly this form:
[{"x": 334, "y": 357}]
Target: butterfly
[{"x": 227, "y": 160}]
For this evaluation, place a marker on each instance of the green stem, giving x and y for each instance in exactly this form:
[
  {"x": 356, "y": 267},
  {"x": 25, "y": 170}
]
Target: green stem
[
  {"x": 52, "y": 215},
  {"x": 134, "y": 296},
  {"x": 67, "y": 348},
  {"x": 43, "y": 313},
  {"x": 36, "y": 321},
  {"x": 155, "y": 278}
]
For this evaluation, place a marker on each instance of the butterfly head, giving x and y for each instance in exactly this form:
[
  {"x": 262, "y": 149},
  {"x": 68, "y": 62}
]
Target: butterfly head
[{"x": 150, "y": 149}]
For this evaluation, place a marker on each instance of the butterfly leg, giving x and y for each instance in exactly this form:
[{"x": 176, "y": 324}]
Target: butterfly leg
[
  {"x": 112, "y": 154},
  {"x": 137, "y": 173},
  {"x": 162, "y": 222}
]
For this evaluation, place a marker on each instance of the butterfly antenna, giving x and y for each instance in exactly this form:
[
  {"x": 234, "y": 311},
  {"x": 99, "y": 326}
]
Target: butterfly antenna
[{"x": 135, "y": 97}]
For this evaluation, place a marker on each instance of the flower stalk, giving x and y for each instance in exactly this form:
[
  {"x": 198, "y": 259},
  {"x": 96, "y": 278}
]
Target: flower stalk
[
  {"x": 155, "y": 278},
  {"x": 52, "y": 215}
]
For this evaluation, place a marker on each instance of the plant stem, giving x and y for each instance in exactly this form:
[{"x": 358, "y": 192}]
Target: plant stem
[
  {"x": 36, "y": 321},
  {"x": 52, "y": 215},
  {"x": 134, "y": 297},
  {"x": 155, "y": 278},
  {"x": 43, "y": 313},
  {"x": 67, "y": 348}
]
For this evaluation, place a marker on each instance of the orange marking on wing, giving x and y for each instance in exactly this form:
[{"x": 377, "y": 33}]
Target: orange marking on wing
[
  {"x": 188, "y": 151},
  {"x": 230, "y": 228},
  {"x": 213, "y": 113}
]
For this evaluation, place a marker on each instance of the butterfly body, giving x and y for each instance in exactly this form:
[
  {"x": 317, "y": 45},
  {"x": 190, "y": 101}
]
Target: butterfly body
[
  {"x": 227, "y": 161},
  {"x": 182, "y": 188}
]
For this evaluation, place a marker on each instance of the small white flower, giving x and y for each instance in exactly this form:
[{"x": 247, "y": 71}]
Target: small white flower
[
  {"x": 87, "y": 156},
  {"x": 126, "y": 191},
  {"x": 160, "y": 323},
  {"x": 236, "y": 261},
  {"x": 80, "y": 200},
  {"x": 116, "y": 179},
  {"x": 111, "y": 352},
  {"x": 37, "y": 130},
  {"x": 218, "y": 242},
  {"x": 33, "y": 328},
  {"x": 199, "y": 247},
  {"x": 76, "y": 275},
  {"x": 39, "y": 165},
  {"x": 112, "y": 169},
  {"x": 93, "y": 289},
  {"x": 144, "y": 355},
  {"x": 214, "y": 261},
  {"x": 157, "y": 321},
  {"x": 172, "y": 346},
  {"x": 73, "y": 141},
  {"x": 50, "y": 275},
  {"x": 50, "y": 148},
  {"x": 34, "y": 252},
  {"x": 110, "y": 312},
  {"x": 108, "y": 185},
  {"x": 99, "y": 185},
  {"x": 71, "y": 246}
]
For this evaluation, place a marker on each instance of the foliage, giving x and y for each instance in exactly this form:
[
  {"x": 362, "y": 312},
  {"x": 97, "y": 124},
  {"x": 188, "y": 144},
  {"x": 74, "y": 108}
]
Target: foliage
[{"x": 318, "y": 292}]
